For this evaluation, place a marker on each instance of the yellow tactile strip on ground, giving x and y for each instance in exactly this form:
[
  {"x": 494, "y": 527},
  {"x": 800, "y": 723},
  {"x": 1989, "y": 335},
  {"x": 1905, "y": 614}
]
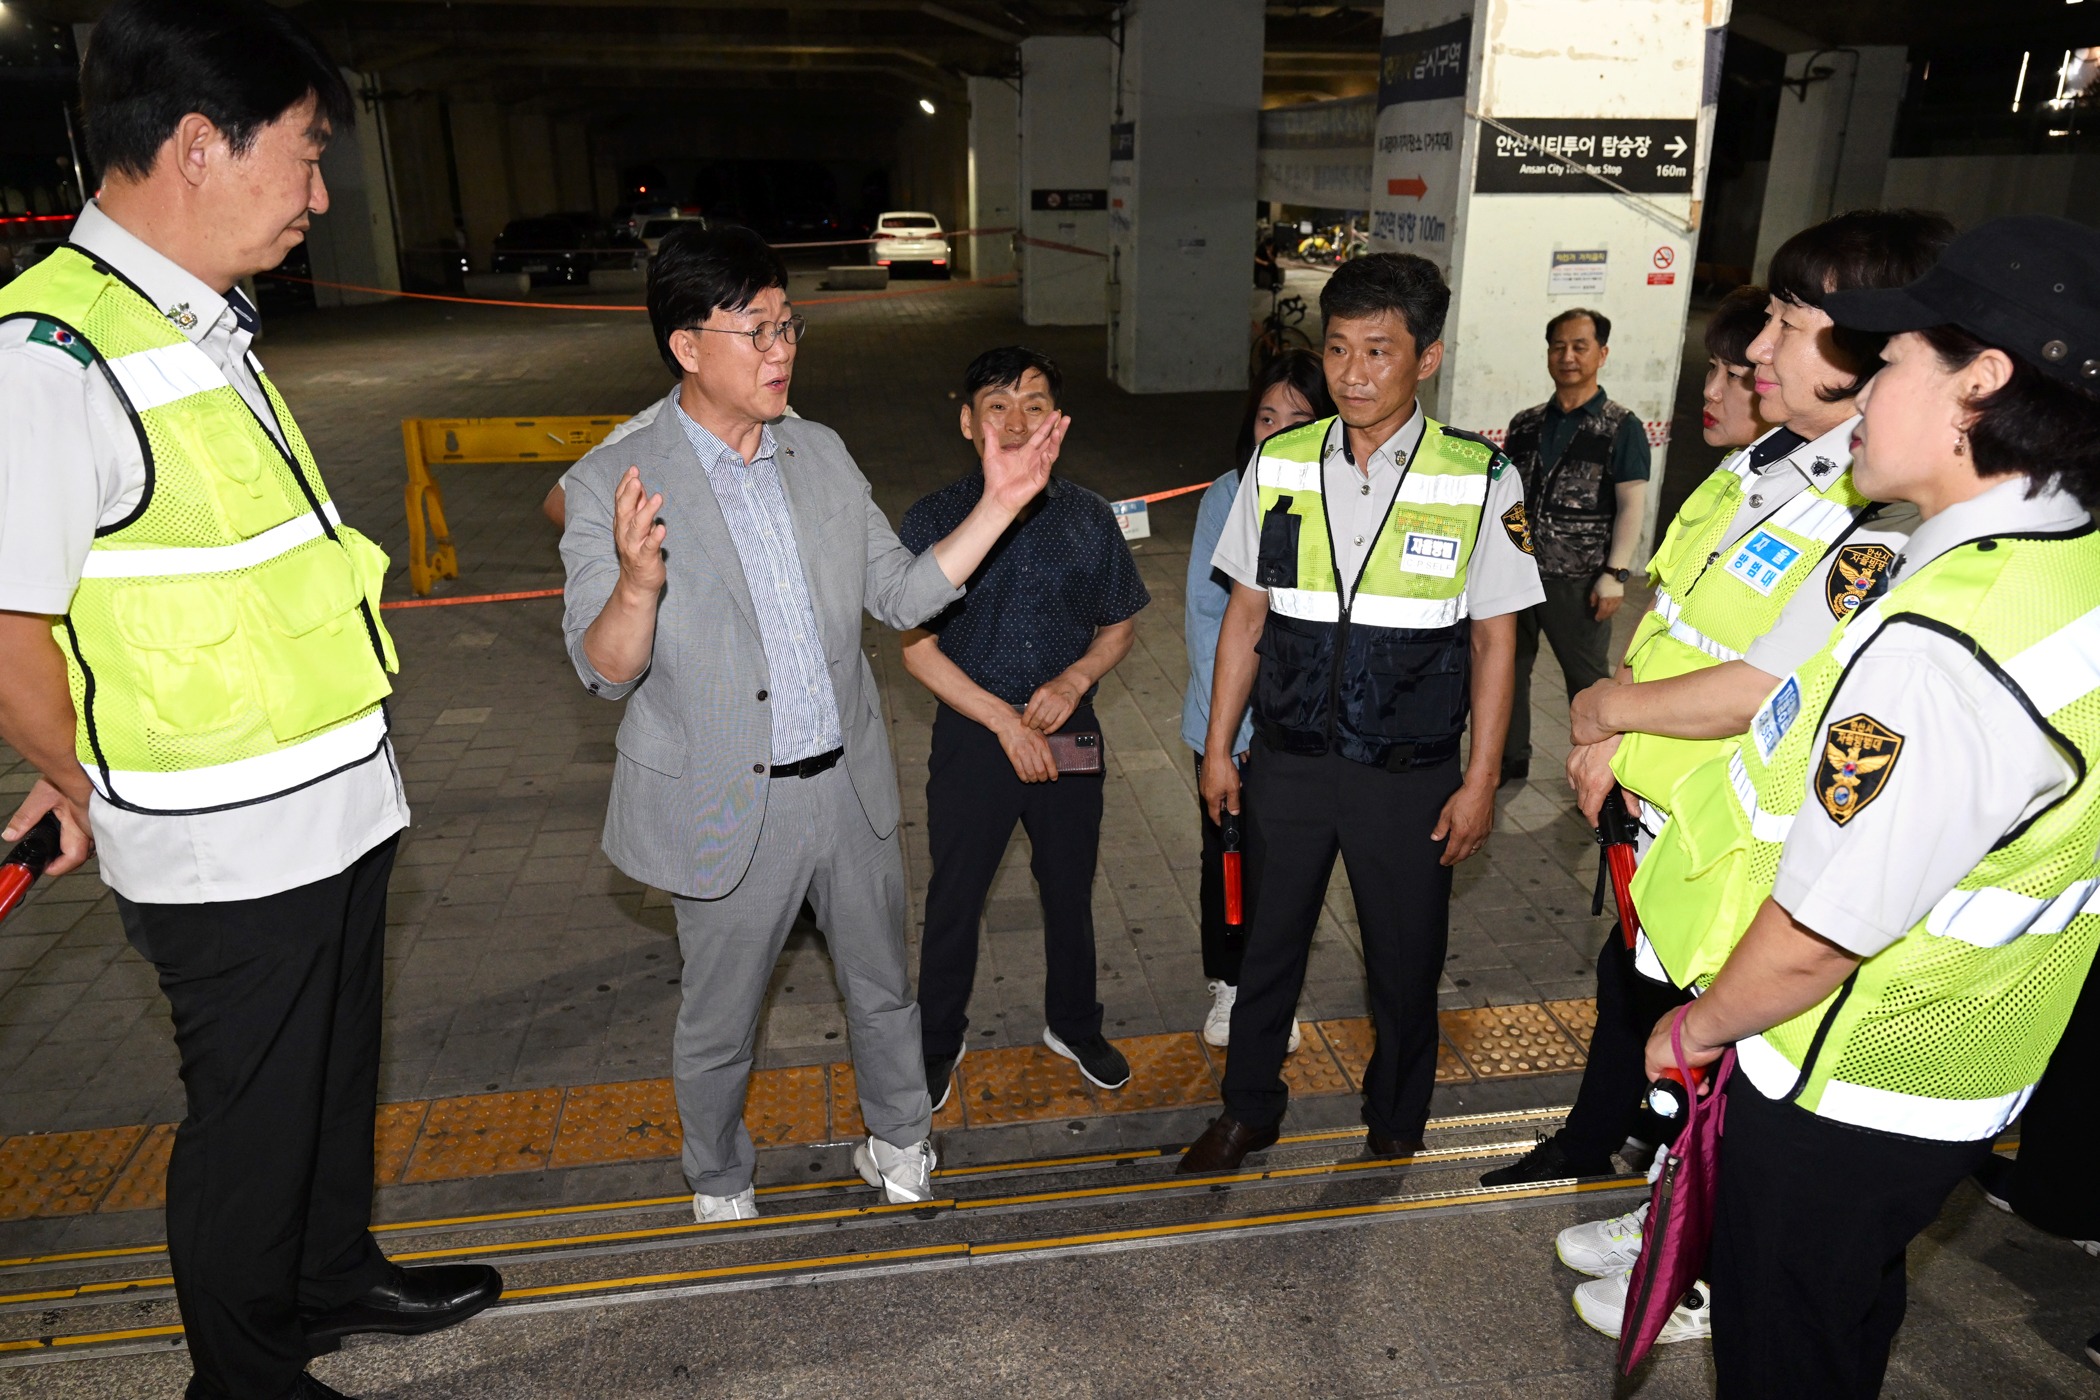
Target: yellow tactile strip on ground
[{"x": 118, "y": 1169}]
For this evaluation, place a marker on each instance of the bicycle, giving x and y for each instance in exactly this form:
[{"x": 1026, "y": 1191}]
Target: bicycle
[{"x": 1279, "y": 332}]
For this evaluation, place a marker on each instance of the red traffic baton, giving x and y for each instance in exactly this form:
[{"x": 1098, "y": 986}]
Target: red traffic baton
[
  {"x": 1616, "y": 833},
  {"x": 27, "y": 861},
  {"x": 1229, "y": 824}
]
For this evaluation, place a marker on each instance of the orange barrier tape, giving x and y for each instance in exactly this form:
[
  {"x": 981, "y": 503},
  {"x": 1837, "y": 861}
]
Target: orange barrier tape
[
  {"x": 1169, "y": 495},
  {"x": 477, "y": 598},
  {"x": 1060, "y": 247}
]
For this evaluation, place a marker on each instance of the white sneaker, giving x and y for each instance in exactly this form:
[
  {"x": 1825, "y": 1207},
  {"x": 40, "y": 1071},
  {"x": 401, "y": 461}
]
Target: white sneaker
[
  {"x": 714, "y": 1210},
  {"x": 1601, "y": 1248},
  {"x": 1292, "y": 1048},
  {"x": 1602, "y": 1304},
  {"x": 1217, "y": 1026},
  {"x": 904, "y": 1175}
]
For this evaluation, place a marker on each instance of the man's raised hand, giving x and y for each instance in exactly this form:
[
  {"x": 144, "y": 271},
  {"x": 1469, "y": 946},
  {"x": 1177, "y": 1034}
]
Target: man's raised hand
[
  {"x": 1014, "y": 476},
  {"x": 638, "y": 536}
]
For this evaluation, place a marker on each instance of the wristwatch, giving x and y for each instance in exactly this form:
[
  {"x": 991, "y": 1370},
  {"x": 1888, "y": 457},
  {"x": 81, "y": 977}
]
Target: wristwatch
[{"x": 1620, "y": 574}]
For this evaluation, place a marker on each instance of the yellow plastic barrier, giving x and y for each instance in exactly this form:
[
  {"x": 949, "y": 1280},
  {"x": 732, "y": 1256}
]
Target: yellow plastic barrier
[{"x": 428, "y": 440}]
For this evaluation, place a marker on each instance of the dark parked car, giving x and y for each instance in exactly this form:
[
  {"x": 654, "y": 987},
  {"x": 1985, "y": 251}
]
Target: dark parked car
[{"x": 561, "y": 250}]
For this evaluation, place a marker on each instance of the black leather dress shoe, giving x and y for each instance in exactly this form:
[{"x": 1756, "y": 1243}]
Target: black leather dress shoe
[
  {"x": 411, "y": 1302},
  {"x": 1378, "y": 1146},
  {"x": 1224, "y": 1145},
  {"x": 307, "y": 1388}
]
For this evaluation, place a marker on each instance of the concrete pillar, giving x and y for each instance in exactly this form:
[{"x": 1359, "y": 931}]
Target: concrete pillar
[
  {"x": 533, "y": 187},
  {"x": 1066, "y": 99},
  {"x": 1619, "y": 88},
  {"x": 572, "y": 167},
  {"x": 1830, "y": 151},
  {"x": 1181, "y": 195},
  {"x": 995, "y": 151},
  {"x": 354, "y": 241},
  {"x": 479, "y": 152}
]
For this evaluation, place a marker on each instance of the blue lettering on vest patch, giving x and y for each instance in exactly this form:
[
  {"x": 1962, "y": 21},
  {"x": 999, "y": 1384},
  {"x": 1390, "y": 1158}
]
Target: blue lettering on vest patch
[
  {"x": 1762, "y": 560},
  {"x": 1775, "y": 717},
  {"x": 1430, "y": 554}
]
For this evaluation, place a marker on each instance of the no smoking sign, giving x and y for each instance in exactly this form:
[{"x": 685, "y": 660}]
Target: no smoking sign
[{"x": 1665, "y": 258}]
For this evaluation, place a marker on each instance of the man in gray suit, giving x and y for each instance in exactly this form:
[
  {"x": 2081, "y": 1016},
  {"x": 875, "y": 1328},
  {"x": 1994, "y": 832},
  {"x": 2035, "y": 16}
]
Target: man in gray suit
[{"x": 719, "y": 559}]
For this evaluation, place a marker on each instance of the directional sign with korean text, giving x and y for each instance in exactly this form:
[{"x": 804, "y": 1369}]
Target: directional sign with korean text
[
  {"x": 1562, "y": 154},
  {"x": 1421, "y": 127}
]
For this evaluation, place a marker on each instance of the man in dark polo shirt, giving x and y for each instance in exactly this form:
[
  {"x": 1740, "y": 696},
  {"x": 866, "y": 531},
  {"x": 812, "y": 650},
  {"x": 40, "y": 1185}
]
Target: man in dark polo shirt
[
  {"x": 1047, "y": 615},
  {"x": 1584, "y": 460}
]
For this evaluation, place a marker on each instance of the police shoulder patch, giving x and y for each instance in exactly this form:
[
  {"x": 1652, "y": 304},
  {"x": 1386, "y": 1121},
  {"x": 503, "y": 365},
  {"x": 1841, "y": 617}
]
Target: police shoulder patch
[
  {"x": 1859, "y": 753},
  {"x": 1853, "y": 576},
  {"x": 1518, "y": 526},
  {"x": 59, "y": 338}
]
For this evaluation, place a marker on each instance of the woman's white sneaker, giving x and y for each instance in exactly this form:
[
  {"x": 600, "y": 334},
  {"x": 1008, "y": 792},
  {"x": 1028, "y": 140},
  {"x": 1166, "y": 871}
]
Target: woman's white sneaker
[
  {"x": 1601, "y": 1248},
  {"x": 1217, "y": 1026},
  {"x": 715, "y": 1210},
  {"x": 1602, "y": 1304},
  {"x": 904, "y": 1175}
]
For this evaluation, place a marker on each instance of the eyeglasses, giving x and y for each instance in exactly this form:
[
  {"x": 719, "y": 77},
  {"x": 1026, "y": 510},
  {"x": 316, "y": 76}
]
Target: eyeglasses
[{"x": 764, "y": 333}]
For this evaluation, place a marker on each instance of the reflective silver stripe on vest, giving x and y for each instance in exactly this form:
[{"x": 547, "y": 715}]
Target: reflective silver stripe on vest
[
  {"x": 1306, "y": 603},
  {"x": 1913, "y": 1115},
  {"x": 208, "y": 559},
  {"x": 1372, "y": 609},
  {"x": 1812, "y": 517},
  {"x": 246, "y": 779},
  {"x": 158, "y": 377},
  {"x": 1765, "y": 826},
  {"x": 2062, "y": 667},
  {"x": 1431, "y": 489},
  {"x": 1992, "y": 917},
  {"x": 1281, "y": 474},
  {"x": 1672, "y": 612}
]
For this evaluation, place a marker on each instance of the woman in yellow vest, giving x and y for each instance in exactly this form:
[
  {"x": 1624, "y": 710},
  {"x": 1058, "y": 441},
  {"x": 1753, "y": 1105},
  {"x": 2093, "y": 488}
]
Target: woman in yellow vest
[{"x": 1915, "y": 803}]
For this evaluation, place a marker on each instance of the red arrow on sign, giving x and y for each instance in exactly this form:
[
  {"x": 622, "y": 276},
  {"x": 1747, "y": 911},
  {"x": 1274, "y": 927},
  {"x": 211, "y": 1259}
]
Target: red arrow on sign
[{"x": 1414, "y": 187}]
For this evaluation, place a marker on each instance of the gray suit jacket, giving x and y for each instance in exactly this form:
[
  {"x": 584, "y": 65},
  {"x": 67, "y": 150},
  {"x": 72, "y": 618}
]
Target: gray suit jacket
[{"x": 689, "y": 787}]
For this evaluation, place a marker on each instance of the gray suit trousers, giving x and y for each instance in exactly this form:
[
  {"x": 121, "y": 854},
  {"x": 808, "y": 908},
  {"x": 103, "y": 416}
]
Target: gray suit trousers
[{"x": 815, "y": 844}]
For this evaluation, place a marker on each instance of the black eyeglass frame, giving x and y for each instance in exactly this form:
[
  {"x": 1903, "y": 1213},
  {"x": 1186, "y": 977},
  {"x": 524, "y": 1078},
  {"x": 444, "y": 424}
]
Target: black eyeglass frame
[{"x": 790, "y": 330}]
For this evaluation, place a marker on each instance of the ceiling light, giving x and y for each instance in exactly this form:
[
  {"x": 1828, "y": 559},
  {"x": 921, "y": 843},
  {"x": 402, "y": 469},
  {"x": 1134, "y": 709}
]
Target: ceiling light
[{"x": 926, "y": 105}]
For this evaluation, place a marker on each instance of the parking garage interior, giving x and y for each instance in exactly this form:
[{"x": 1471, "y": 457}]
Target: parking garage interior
[{"x": 485, "y": 258}]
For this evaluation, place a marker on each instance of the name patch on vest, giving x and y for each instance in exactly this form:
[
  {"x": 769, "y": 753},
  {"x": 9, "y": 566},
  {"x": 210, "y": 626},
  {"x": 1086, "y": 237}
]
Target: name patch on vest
[
  {"x": 1857, "y": 569},
  {"x": 1859, "y": 753},
  {"x": 1775, "y": 717},
  {"x": 1430, "y": 554},
  {"x": 1762, "y": 560}
]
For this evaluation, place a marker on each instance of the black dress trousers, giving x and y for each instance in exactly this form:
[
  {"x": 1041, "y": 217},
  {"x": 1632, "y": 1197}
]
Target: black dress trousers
[
  {"x": 1608, "y": 1107},
  {"x": 276, "y": 1007},
  {"x": 973, "y": 799},
  {"x": 1309, "y": 810},
  {"x": 2052, "y": 1186},
  {"x": 1810, "y": 1226},
  {"x": 1223, "y": 944}
]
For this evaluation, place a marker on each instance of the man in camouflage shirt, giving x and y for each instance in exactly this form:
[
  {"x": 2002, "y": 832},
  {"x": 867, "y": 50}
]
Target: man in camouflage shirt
[{"x": 1584, "y": 460}]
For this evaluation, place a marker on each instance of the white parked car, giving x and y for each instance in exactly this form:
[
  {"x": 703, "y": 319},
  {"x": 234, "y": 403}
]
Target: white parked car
[
  {"x": 909, "y": 240},
  {"x": 653, "y": 230}
]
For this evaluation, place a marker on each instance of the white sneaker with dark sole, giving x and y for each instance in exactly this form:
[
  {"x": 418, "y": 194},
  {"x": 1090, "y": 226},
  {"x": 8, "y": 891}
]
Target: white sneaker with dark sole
[
  {"x": 1601, "y": 1248},
  {"x": 1217, "y": 1025},
  {"x": 719, "y": 1210},
  {"x": 904, "y": 1175},
  {"x": 1602, "y": 1304}
]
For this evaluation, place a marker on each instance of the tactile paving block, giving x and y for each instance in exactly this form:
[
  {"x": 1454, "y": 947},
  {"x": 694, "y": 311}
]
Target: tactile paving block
[
  {"x": 847, "y": 1124},
  {"x": 143, "y": 1184},
  {"x": 1500, "y": 1042},
  {"x": 1351, "y": 1040},
  {"x": 1308, "y": 1071},
  {"x": 1166, "y": 1071},
  {"x": 617, "y": 1123},
  {"x": 394, "y": 1134},
  {"x": 1578, "y": 1018},
  {"x": 788, "y": 1105},
  {"x": 1021, "y": 1084},
  {"x": 483, "y": 1134},
  {"x": 1450, "y": 1065},
  {"x": 61, "y": 1173}
]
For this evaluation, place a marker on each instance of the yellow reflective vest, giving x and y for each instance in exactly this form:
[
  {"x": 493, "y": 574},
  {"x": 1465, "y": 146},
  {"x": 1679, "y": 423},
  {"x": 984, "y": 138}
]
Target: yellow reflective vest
[{"x": 224, "y": 644}]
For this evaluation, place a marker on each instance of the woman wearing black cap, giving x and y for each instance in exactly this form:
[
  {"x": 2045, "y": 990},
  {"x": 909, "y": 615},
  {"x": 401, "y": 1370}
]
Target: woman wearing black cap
[{"x": 1913, "y": 807}]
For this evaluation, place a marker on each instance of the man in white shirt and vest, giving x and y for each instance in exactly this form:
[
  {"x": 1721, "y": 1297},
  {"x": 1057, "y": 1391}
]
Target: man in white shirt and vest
[
  {"x": 1379, "y": 559},
  {"x": 197, "y": 669}
]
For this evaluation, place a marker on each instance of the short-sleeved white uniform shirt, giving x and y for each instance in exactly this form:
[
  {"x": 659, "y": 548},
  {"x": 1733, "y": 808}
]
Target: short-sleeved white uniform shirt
[{"x": 70, "y": 463}]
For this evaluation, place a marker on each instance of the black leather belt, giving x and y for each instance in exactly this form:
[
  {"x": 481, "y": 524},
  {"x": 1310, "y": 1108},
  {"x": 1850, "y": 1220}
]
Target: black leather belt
[{"x": 808, "y": 767}]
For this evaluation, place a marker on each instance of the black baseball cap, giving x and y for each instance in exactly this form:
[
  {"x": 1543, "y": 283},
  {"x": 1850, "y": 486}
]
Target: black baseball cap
[{"x": 2028, "y": 284}]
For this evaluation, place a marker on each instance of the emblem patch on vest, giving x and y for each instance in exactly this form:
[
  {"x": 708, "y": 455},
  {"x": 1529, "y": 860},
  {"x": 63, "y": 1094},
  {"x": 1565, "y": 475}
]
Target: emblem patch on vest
[
  {"x": 59, "y": 338},
  {"x": 1430, "y": 554},
  {"x": 1858, "y": 568},
  {"x": 1762, "y": 560},
  {"x": 1518, "y": 526},
  {"x": 1858, "y": 755}
]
